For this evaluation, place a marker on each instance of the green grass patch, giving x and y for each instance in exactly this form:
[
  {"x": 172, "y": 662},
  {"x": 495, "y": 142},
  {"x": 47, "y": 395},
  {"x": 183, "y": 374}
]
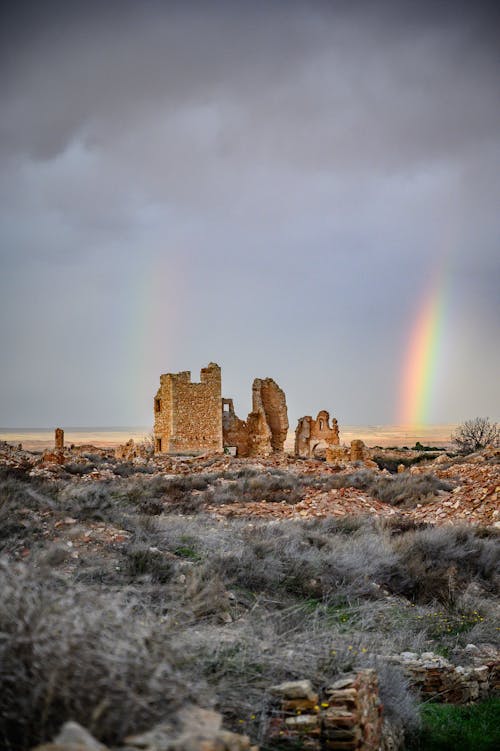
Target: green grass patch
[
  {"x": 448, "y": 727},
  {"x": 184, "y": 551}
]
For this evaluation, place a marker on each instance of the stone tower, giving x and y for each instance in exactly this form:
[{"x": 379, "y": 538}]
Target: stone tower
[{"x": 188, "y": 416}]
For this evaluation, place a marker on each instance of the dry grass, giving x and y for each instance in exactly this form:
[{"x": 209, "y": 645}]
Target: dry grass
[{"x": 217, "y": 611}]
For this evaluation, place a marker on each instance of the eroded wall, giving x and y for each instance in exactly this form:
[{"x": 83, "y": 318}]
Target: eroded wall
[{"x": 266, "y": 427}]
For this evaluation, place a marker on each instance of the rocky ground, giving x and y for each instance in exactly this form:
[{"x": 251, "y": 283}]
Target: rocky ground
[
  {"x": 135, "y": 587},
  {"x": 471, "y": 493}
]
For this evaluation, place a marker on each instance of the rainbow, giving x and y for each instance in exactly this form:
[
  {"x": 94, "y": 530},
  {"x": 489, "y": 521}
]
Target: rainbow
[{"x": 420, "y": 367}]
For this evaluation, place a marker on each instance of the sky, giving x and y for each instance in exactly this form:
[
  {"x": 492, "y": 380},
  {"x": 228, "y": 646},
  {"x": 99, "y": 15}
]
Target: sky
[{"x": 280, "y": 187}]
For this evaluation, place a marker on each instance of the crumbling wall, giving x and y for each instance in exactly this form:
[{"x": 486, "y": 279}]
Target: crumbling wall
[
  {"x": 188, "y": 416},
  {"x": 346, "y": 715},
  {"x": 234, "y": 430},
  {"x": 266, "y": 427},
  {"x": 436, "y": 679},
  {"x": 314, "y": 437},
  {"x": 59, "y": 438}
]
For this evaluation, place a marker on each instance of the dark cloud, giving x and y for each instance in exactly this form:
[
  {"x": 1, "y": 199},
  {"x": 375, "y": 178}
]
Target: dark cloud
[{"x": 301, "y": 165}]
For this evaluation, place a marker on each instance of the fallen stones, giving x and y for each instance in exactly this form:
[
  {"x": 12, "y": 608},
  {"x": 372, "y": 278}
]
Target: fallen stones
[
  {"x": 193, "y": 729},
  {"x": 72, "y": 737}
]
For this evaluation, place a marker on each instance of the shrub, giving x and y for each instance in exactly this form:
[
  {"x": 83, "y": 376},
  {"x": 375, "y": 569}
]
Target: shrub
[
  {"x": 407, "y": 490},
  {"x": 143, "y": 560},
  {"x": 69, "y": 653}
]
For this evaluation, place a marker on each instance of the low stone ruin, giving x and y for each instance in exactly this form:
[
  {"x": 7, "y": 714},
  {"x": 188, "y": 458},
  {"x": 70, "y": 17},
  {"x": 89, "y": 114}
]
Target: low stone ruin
[
  {"x": 131, "y": 450},
  {"x": 436, "y": 679},
  {"x": 347, "y": 715},
  {"x": 266, "y": 427},
  {"x": 314, "y": 437}
]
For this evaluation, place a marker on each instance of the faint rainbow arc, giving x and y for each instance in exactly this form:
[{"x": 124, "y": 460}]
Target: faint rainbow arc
[{"x": 422, "y": 355}]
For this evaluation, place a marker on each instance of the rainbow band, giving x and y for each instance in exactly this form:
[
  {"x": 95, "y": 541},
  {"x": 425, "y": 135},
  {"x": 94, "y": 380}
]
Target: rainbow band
[{"x": 422, "y": 358}]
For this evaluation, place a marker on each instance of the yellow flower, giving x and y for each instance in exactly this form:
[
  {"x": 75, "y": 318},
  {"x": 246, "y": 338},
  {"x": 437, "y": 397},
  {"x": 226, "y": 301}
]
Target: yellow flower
[{"x": 325, "y": 704}]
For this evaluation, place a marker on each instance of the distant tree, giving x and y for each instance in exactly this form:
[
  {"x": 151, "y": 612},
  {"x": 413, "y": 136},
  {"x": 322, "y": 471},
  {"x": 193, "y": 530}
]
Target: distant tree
[{"x": 475, "y": 434}]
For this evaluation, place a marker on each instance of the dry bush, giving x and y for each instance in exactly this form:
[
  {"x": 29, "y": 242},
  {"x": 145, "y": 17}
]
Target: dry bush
[
  {"x": 407, "y": 490},
  {"x": 438, "y": 562},
  {"x": 70, "y": 653},
  {"x": 135, "y": 626}
]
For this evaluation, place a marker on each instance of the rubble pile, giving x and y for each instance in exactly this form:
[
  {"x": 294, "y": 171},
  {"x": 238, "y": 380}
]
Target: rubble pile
[
  {"x": 317, "y": 504},
  {"x": 194, "y": 729},
  {"x": 473, "y": 499},
  {"x": 476, "y": 497}
]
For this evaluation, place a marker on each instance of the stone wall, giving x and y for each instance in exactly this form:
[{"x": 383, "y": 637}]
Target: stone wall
[
  {"x": 234, "y": 430},
  {"x": 188, "y": 416},
  {"x": 314, "y": 437},
  {"x": 346, "y": 715},
  {"x": 436, "y": 679}
]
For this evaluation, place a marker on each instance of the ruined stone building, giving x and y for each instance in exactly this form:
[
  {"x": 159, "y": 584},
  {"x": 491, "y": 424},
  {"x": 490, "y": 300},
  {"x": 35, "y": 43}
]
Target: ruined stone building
[
  {"x": 188, "y": 416},
  {"x": 266, "y": 427},
  {"x": 193, "y": 417},
  {"x": 313, "y": 437}
]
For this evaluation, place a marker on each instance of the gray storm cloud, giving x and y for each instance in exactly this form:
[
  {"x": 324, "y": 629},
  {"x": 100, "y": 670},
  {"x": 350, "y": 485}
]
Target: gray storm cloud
[{"x": 270, "y": 185}]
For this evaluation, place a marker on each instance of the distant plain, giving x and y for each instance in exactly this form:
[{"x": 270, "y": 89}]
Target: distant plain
[{"x": 372, "y": 435}]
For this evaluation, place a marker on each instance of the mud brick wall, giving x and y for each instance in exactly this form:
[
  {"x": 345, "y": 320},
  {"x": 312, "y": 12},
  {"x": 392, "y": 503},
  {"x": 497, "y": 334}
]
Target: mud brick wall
[
  {"x": 188, "y": 416},
  {"x": 346, "y": 716}
]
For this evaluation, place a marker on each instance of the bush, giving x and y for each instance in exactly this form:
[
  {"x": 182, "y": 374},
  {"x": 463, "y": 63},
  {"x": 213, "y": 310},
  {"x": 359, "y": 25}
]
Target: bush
[
  {"x": 69, "y": 653},
  {"x": 407, "y": 490},
  {"x": 145, "y": 561}
]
